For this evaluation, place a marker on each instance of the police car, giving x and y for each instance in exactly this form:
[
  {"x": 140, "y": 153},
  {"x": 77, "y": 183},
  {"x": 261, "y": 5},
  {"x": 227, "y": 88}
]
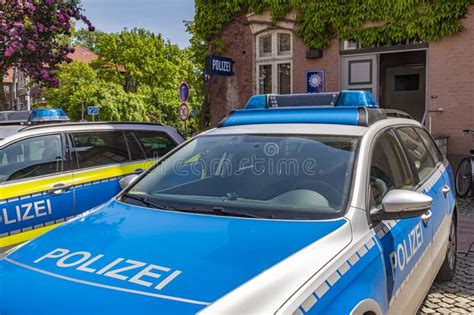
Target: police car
[
  {"x": 333, "y": 209},
  {"x": 51, "y": 173},
  {"x": 14, "y": 117}
]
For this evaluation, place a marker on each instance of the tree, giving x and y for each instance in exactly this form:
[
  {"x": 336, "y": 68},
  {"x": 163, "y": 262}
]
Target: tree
[
  {"x": 136, "y": 77},
  {"x": 33, "y": 37},
  {"x": 80, "y": 85},
  {"x": 144, "y": 63},
  {"x": 136, "y": 57},
  {"x": 86, "y": 38},
  {"x": 198, "y": 52}
]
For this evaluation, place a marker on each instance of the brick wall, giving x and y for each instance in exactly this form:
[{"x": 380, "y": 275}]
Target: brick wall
[
  {"x": 450, "y": 82},
  {"x": 232, "y": 92},
  {"x": 330, "y": 63},
  {"x": 228, "y": 93},
  {"x": 451, "y": 87}
]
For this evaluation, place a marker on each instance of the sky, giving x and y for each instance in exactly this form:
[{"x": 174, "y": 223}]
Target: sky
[{"x": 159, "y": 16}]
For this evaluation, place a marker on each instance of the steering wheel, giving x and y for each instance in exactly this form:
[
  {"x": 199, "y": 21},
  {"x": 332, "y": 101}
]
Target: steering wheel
[
  {"x": 329, "y": 191},
  {"x": 377, "y": 173}
]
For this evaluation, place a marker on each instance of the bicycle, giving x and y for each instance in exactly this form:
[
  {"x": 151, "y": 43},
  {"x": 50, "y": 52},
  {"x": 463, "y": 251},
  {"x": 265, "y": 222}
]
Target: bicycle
[{"x": 465, "y": 173}]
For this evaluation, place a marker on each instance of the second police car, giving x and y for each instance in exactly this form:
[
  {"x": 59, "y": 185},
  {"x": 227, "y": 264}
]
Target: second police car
[
  {"x": 332, "y": 209},
  {"x": 51, "y": 173}
]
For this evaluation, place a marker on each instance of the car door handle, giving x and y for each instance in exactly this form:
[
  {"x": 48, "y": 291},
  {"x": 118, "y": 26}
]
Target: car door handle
[
  {"x": 445, "y": 190},
  {"x": 58, "y": 189},
  {"x": 426, "y": 216},
  {"x": 138, "y": 171}
]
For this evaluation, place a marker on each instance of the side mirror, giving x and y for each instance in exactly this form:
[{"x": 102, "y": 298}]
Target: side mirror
[
  {"x": 402, "y": 204},
  {"x": 127, "y": 180}
]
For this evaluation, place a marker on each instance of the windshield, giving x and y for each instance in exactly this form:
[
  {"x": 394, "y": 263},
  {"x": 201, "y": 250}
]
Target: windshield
[{"x": 268, "y": 176}]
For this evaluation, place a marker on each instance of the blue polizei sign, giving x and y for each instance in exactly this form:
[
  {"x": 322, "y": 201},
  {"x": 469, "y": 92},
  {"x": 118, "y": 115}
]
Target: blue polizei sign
[
  {"x": 93, "y": 110},
  {"x": 315, "y": 81},
  {"x": 219, "y": 65}
]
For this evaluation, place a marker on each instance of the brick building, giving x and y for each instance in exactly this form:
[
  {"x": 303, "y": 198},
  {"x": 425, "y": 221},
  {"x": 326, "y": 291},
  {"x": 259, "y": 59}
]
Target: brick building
[
  {"x": 24, "y": 94},
  {"x": 433, "y": 81}
]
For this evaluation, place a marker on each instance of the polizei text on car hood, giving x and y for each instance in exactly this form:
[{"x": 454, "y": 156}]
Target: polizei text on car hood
[{"x": 128, "y": 259}]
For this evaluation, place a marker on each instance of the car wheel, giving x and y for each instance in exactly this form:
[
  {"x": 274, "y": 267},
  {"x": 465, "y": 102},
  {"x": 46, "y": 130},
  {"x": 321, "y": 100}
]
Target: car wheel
[{"x": 446, "y": 272}]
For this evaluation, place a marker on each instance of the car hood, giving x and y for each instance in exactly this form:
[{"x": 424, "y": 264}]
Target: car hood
[{"x": 122, "y": 258}]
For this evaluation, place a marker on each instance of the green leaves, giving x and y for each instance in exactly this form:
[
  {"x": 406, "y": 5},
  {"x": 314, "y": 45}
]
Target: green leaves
[
  {"x": 136, "y": 78},
  {"x": 369, "y": 21},
  {"x": 80, "y": 84}
]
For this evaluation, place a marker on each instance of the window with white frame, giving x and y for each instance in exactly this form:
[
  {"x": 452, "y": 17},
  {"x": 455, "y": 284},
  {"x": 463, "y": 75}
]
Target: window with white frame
[{"x": 274, "y": 62}]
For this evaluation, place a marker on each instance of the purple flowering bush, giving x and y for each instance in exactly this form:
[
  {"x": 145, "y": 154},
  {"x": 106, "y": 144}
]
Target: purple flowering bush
[{"x": 33, "y": 37}]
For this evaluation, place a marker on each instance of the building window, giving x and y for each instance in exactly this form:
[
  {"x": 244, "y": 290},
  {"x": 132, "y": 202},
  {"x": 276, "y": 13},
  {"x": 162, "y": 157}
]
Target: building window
[
  {"x": 265, "y": 46},
  {"x": 350, "y": 44},
  {"x": 284, "y": 44},
  {"x": 265, "y": 79},
  {"x": 284, "y": 78},
  {"x": 274, "y": 62}
]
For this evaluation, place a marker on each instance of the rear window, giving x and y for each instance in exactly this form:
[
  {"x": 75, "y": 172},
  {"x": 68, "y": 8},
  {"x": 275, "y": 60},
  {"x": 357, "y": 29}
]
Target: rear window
[
  {"x": 430, "y": 144},
  {"x": 417, "y": 152},
  {"x": 154, "y": 144}
]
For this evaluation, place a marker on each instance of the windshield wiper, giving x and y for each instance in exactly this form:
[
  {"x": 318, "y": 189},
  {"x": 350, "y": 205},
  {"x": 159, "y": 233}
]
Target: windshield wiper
[
  {"x": 235, "y": 213},
  {"x": 146, "y": 201},
  {"x": 215, "y": 210}
]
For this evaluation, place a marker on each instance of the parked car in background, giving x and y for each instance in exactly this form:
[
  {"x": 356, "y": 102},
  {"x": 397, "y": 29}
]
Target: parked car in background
[
  {"x": 53, "y": 172},
  {"x": 331, "y": 209},
  {"x": 35, "y": 116},
  {"x": 14, "y": 117}
]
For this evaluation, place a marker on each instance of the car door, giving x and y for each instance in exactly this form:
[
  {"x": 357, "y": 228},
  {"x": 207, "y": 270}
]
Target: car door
[
  {"x": 35, "y": 187},
  {"x": 403, "y": 242},
  {"x": 433, "y": 181},
  {"x": 102, "y": 158},
  {"x": 441, "y": 185},
  {"x": 105, "y": 156}
]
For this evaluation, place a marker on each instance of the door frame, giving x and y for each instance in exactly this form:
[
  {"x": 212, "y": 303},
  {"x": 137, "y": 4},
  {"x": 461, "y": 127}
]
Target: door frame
[{"x": 377, "y": 51}]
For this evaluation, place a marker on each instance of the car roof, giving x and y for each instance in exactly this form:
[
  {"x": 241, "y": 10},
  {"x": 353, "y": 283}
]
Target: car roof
[
  {"x": 324, "y": 129},
  {"x": 21, "y": 131},
  {"x": 8, "y": 130},
  {"x": 312, "y": 128}
]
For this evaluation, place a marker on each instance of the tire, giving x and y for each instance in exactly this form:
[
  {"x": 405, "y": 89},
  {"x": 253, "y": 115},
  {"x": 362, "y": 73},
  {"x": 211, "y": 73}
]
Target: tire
[
  {"x": 464, "y": 177},
  {"x": 446, "y": 272}
]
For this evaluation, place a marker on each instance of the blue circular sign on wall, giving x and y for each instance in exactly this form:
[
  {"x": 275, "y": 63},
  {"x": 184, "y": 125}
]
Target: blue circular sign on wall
[{"x": 184, "y": 92}]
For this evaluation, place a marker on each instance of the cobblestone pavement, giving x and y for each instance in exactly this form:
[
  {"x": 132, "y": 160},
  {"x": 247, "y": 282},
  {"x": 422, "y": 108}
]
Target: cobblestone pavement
[
  {"x": 466, "y": 206},
  {"x": 457, "y": 296}
]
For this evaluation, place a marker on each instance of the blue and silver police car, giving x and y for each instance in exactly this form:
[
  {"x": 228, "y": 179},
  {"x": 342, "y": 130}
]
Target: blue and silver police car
[{"x": 335, "y": 209}]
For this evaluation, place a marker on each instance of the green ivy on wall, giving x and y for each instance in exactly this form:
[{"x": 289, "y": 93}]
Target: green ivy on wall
[{"x": 371, "y": 22}]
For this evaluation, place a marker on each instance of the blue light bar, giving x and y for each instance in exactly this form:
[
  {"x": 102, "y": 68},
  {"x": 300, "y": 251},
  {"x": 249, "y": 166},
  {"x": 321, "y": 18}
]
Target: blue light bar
[
  {"x": 257, "y": 102},
  {"x": 356, "y": 98},
  {"x": 351, "y": 98},
  {"x": 356, "y": 116},
  {"x": 48, "y": 115}
]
